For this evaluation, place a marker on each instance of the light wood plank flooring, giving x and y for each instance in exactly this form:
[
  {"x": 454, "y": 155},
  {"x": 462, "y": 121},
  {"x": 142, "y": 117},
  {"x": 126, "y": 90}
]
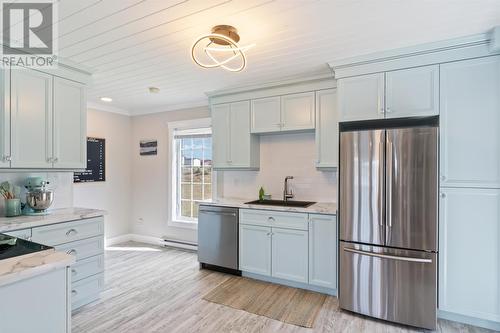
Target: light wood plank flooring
[{"x": 155, "y": 289}]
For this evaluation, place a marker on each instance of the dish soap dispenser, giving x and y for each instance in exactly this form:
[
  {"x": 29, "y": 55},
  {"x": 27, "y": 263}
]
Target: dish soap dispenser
[{"x": 261, "y": 194}]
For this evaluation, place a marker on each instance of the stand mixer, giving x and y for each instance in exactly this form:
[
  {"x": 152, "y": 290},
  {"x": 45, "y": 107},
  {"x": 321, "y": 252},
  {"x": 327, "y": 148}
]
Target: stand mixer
[{"x": 38, "y": 197}]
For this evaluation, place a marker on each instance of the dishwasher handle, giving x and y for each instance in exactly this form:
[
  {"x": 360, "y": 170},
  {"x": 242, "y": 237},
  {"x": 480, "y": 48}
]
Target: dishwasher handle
[{"x": 211, "y": 212}]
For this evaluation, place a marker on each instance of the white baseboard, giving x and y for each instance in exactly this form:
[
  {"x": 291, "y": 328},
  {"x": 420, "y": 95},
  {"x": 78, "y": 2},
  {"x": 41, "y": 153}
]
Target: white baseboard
[{"x": 148, "y": 240}]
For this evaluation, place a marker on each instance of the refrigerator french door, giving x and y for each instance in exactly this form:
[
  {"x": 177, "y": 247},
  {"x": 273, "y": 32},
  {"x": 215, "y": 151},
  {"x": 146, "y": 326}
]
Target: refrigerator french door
[{"x": 388, "y": 219}]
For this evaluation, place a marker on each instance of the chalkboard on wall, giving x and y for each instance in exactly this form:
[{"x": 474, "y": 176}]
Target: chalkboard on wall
[{"x": 96, "y": 162}]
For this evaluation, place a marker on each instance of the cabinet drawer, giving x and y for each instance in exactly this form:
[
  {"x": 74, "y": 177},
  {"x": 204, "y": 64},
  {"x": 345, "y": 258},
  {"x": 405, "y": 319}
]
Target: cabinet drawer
[
  {"x": 275, "y": 219},
  {"x": 87, "y": 267},
  {"x": 23, "y": 233},
  {"x": 86, "y": 290},
  {"x": 84, "y": 248},
  {"x": 61, "y": 233}
]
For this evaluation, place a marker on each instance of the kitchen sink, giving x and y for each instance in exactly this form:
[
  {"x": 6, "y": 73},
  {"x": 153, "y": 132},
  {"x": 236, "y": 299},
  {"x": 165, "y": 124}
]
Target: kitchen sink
[{"x": 289, "y": 203}]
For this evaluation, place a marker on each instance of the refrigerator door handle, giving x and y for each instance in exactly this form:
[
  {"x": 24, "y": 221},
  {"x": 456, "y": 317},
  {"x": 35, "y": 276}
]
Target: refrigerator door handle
[
  {"x": 390, "y": 174},
  {"x": 388, "y": 256},
  {"x": 381, "y": 176}
]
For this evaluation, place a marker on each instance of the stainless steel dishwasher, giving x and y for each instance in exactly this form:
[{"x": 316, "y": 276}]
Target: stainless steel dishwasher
[{"x": 218, "y": 238}]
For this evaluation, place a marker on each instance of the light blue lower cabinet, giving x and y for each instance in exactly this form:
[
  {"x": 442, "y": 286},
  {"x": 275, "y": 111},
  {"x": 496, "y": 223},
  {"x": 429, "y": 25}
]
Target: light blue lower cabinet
[
  {"x": 469, "y": 256},
  {"x": 302, "y": 255}
]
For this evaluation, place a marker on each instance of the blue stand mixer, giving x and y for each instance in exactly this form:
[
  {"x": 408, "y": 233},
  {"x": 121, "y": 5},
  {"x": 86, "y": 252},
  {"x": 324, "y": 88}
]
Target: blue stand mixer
[{"x": 38, "y": 197}]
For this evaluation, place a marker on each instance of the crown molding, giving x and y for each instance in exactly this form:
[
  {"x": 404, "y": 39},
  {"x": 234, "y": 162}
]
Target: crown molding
[
  {"x": 188, "y": 106},
  {"x": 107, "y": 108}
]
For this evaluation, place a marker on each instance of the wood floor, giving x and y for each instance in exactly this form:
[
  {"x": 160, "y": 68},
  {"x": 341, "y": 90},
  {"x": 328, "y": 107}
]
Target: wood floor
[{"x": 154, "y": 289}]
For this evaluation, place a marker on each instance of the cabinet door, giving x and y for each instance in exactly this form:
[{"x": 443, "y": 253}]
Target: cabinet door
[
  {"x": 70, "y": 124},
  {"x": 323, "y": 251},
  {"x": 240, "y": 139},
  {"x": 470, "y": 123},
  {"x": 289, "y": 254},
  {"x": 265, "y": 115},
  {"x": 5, "y": 118},
  {"x": 221, "y": 135},
  {"x": 255, "y": 249},
  {"x": 412, "y": 92},
  {"x": 297, "y": 112},
  {"x": 469, "y": 252},
  {"x": 31, "y": 119},
  {"x": 327, "y": 132},
  {"x": 361, "y": 97}
]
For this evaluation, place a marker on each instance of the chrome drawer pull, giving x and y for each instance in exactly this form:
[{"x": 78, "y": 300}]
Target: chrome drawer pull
[
  {"x": 72, "y": 252},
  {"x": 270, "y": 218},
  {"x": 388, "y": 256},
  {"x": 74, "y": 292},
  {"x": 71, "y": 232},
  {"x": 74, "y": 272}
]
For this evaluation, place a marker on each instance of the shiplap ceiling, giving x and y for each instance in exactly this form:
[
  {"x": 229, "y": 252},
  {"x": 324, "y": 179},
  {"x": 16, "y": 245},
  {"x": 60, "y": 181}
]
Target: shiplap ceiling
[{"x": 134, "y": 44}]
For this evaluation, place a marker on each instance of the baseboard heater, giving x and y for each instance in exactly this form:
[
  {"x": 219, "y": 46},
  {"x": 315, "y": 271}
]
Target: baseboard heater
[{"x": 181, "y": 244}]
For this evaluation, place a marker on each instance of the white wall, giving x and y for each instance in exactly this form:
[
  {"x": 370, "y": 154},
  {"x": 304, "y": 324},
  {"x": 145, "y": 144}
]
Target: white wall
[
  {"x": 113, "y": 195},
  {"x": 283, "y": 155},
  {"x": 150, "y": 175}
]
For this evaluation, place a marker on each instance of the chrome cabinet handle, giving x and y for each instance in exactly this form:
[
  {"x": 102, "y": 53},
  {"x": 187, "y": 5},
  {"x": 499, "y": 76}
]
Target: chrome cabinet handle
[
  {"x": 55, "y": 160},
  {"x": 388, "y": 256},
  {"x": 443, "y": 178},
  {"x": 7, "y": 158},
  {"x": 388, "y": 110},
  {"x": 72, "y": 252},
  {"x": 50, "y": 160},
  {"x": 71, "y": 232},
  {"x": 271, "y": 219},
  {"x": 74, "y": 292},
  {"x": 442, "y": 195},
  {"x": 270, "y": 233},
  {"x": 74, "y": 272}
]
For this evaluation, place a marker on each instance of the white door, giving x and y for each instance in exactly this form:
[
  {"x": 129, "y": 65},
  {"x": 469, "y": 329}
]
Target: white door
[
  {"x": 31, "y": 119},
  {"x": 412, "y": 92},
  {"x": 323, "y": 251},
  {"x": 470, "y": 123},
  {"x": 70, "y": 124},
  {"x": 221, "y": 135},
  {"x": 327, "y": 131},
  {"x": 240, "y": 140},
  {"x": 361, "y": 97},
  {"x": 297, "y": 112},
  {"x": 5, "y": 118},
  {"x": 255, "y": 249},
  {"x": 469, "y": 252},
  {"x": 265, "y": 115},
  {"x": 289, "y": 254}
]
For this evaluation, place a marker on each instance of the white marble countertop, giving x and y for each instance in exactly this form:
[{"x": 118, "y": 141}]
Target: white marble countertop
[
  {"x": 55, "y": 216},
  {"x": 26, "y": 266},
  {"x": 329, "y": 208}
]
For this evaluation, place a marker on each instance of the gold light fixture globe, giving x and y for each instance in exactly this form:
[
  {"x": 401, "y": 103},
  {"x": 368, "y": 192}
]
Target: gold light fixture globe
[{"x": 220, "y": 49}]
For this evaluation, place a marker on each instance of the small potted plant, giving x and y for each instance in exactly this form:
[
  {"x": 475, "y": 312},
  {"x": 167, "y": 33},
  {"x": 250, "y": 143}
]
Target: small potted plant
[{"x": 12, "y": 201}]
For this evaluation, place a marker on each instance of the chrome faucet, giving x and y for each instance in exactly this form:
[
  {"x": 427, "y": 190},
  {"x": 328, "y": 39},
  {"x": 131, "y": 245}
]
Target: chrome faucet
[{"x": 287, "y": 193}]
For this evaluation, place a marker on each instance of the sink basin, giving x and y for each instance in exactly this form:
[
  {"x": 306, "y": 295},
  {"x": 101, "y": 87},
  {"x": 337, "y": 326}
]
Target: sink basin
[{"x": 289, "y": 203}]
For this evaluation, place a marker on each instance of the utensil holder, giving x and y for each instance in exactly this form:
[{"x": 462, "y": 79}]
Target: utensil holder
[{"x": 12, "y": 207}]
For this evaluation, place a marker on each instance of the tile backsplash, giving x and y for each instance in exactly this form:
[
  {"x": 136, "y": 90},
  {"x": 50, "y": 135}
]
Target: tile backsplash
[
  {"x": 60, "y": 182},
  {"x": 282, "y": 155}
]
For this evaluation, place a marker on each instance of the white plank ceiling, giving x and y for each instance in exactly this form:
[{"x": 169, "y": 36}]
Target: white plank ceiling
[{"x": 134, "y": 44}]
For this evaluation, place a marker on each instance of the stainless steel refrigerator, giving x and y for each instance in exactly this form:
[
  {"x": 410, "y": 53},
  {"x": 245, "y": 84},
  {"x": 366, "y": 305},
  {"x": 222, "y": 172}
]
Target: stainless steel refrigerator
[{"x": 388, "y": 210}]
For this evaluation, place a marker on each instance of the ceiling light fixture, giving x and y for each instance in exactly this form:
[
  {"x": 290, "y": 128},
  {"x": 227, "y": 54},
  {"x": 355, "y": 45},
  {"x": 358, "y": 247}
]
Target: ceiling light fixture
[
  {"x": 107, "y": 99},
  {"x": 220, "y": 49},
  {"x": 154, "y": 90}
]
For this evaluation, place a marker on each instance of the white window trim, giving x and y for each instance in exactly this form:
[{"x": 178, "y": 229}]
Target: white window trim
[{"x": 172, "y": 183}]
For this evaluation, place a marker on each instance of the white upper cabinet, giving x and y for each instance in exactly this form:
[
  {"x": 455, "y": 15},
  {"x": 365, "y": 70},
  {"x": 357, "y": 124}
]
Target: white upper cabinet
[
  {"x": 297, "y": 112},
  {"x": 327, "y": 135},
  {"x": 412, "y": 92},
  {"x": 233, "y": 145},
  {"x": 323, "y": 250},
  {"x": 469, "y": 252},
  {"x": 266, "y": 115},
  {"x": 361, "y": 97},
  {"x": 70, "y": 124},
  {"x": 5, "y": 118},
  {"x": 470, "y": 123},
  {"x": 31, "y": 119}
]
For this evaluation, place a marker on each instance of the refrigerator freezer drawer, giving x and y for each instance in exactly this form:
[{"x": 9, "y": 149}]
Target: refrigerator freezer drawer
[{"x": 391, "y": 284}]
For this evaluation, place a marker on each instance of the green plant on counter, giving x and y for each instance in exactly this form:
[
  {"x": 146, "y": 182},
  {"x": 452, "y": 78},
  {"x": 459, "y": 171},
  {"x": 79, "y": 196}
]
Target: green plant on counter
[
  {"x": 261, "y": 193},
  {"x": 10, "y": 191}
]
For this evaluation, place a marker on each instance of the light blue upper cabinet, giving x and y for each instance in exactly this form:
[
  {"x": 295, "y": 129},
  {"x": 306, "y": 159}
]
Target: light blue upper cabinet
[
  {"x": 266, "y": 115},
  {"x": 233, "y": 145},
  {"x": 297, "y": 112},
  {"x": 469, "y": 252},
  {"x": 412, "y": 92},
  {"x": 361, "y": 97},
  {"x": 470, "y": 123},
  {"x": 327, "y": 135}
]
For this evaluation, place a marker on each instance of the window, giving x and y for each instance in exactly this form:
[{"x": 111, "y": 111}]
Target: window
[{"x": 192, "y": 171}]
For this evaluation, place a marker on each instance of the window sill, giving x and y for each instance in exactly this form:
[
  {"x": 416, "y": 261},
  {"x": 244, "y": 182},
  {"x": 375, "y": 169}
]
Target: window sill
[{"x": 183, "y": 224}]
